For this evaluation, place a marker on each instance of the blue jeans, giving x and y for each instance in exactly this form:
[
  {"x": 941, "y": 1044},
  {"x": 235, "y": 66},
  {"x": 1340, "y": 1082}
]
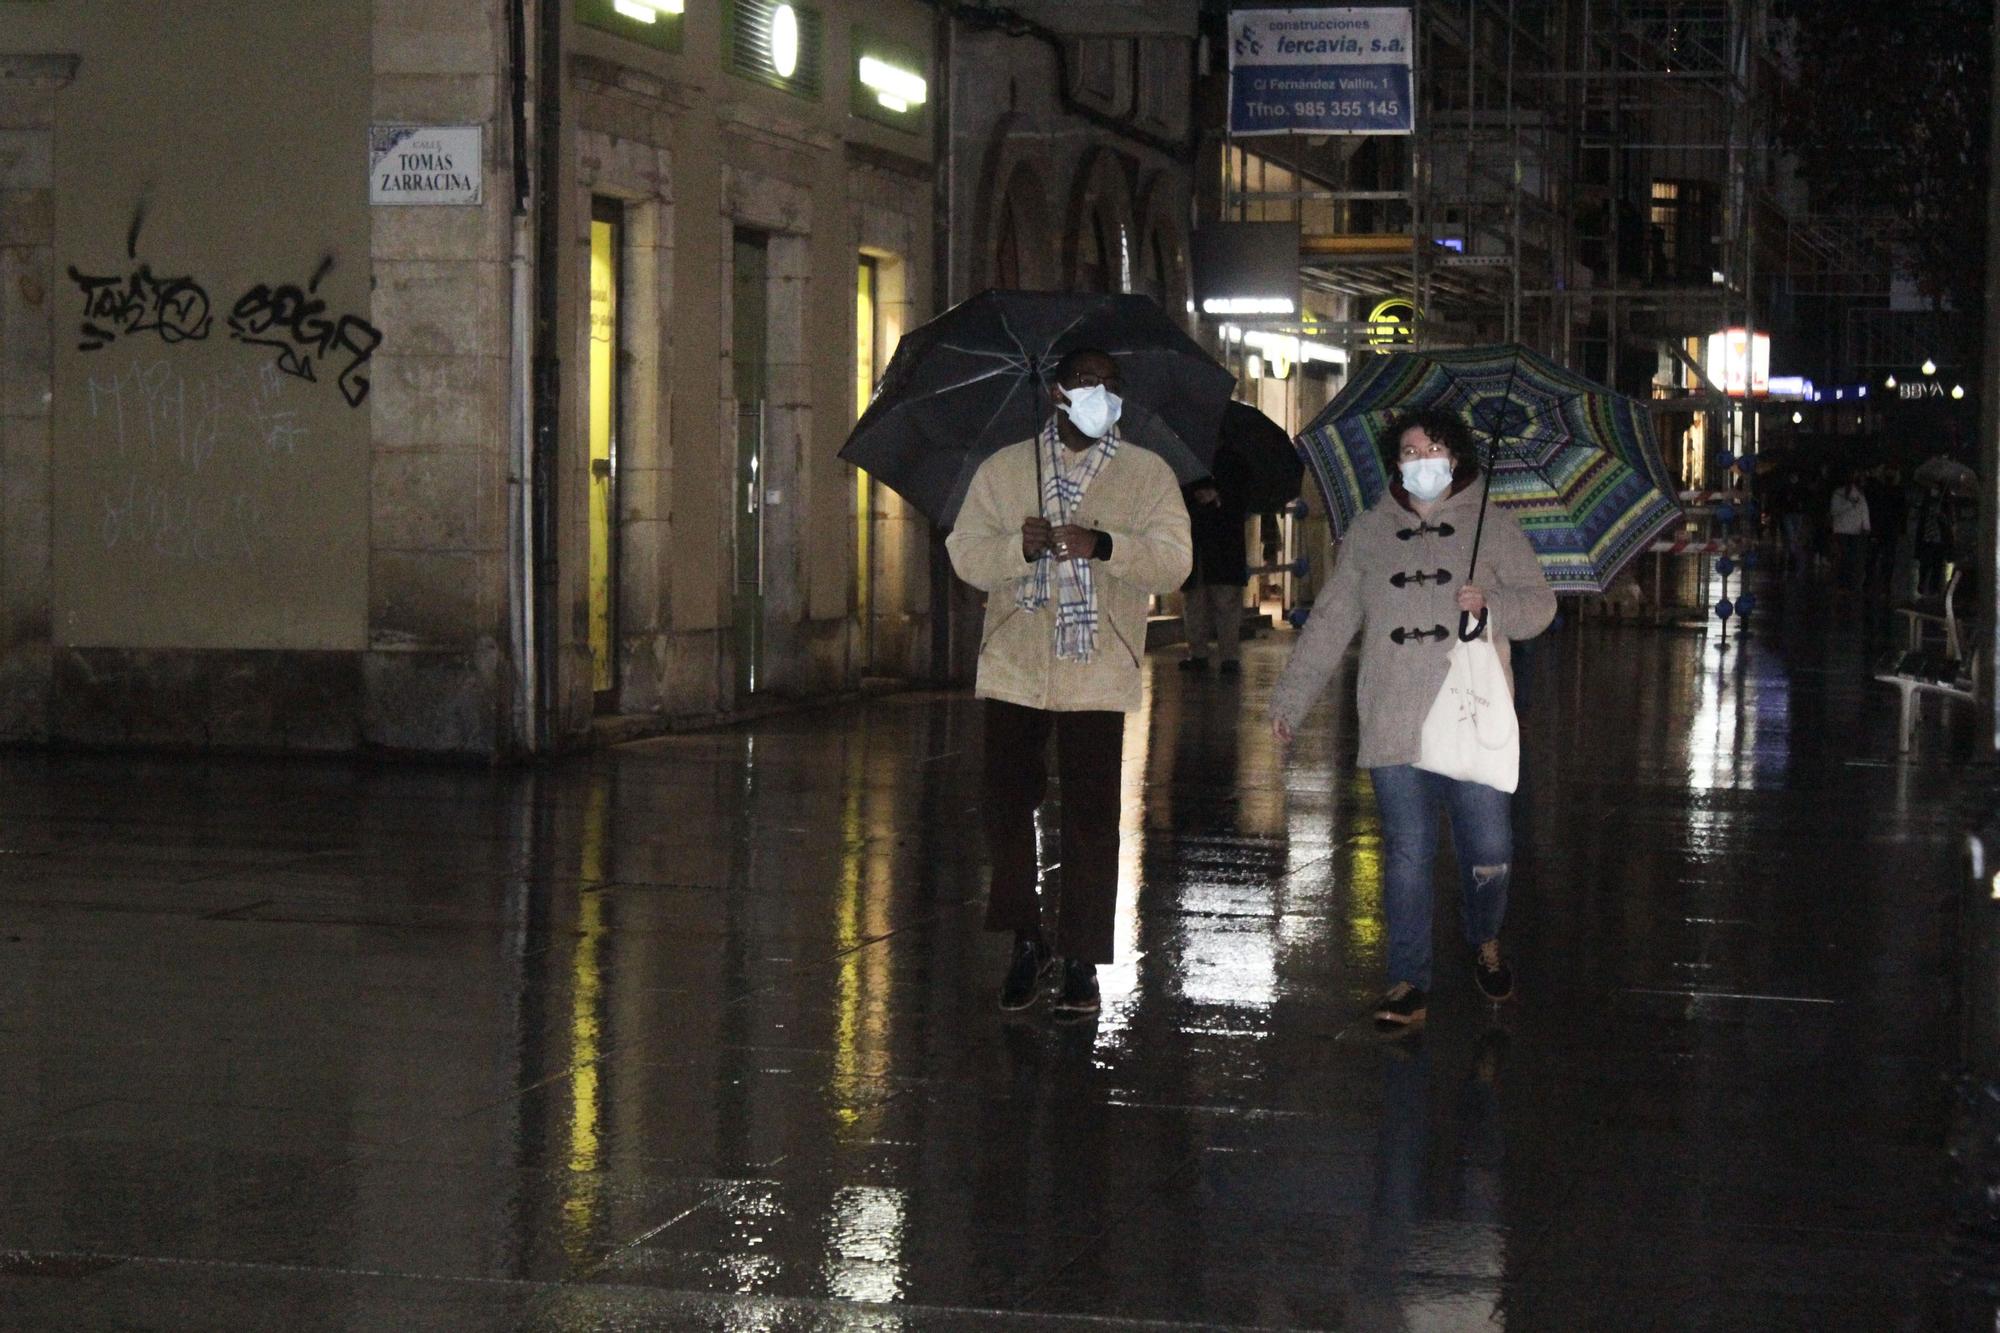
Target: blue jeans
[{"x": 1482, "y": 831}]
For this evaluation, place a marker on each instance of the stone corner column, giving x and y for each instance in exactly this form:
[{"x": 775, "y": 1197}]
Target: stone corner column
[{"x": 28, "y": 298}]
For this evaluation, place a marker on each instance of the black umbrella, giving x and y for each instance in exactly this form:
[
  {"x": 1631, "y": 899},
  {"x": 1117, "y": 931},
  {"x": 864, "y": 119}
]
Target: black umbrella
[
  {"x": 975, "y": 380},
  {"x": 1269, "y": 472}
]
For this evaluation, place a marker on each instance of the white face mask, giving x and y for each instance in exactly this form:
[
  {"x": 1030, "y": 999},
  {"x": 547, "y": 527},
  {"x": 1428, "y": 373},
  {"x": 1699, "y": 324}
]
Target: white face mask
[
  {"x": 1426, "y": 478},
  {"x": 1094, "y": 410}
]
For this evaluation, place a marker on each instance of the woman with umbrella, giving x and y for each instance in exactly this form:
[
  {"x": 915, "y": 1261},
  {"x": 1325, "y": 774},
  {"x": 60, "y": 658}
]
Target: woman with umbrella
[{"x": 1408, "y": 566}]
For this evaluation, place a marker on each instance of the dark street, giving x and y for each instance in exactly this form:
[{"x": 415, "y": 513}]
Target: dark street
[{"x": 700, "y": 1033}]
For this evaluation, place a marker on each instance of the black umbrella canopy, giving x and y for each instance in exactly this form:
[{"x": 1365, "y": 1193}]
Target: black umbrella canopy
[
  {"x": 975, "y": 380},
  {"x": 1268, "y": 472}
]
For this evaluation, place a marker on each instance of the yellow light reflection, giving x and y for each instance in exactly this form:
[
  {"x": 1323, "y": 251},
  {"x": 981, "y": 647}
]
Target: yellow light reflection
[
  {"x": 847, "y": 938},
  {"x": 1365, "y": 930},
  {"x": 582, "y": 1202}
]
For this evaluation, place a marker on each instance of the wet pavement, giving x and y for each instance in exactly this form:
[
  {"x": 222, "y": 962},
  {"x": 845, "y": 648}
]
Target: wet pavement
[{"x": 700, "y": 1033}]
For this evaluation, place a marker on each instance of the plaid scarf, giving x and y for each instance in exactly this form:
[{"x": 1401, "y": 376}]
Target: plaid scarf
[{"x": 1075, "y": 592}]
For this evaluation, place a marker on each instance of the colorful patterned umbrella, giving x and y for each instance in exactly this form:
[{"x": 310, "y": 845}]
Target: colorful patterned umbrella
[{"x": 1575, "y": 463}]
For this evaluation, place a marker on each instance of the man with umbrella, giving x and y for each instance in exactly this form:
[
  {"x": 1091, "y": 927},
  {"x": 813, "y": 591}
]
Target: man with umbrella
[
  {"x": 1069, "y": 534},
  {"x": 1212, "y": 598}
]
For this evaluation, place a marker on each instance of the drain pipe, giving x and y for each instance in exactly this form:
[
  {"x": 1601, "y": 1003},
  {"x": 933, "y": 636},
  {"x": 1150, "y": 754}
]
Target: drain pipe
[
  {"x": 521, "y": 640},
  {"x": 543, "y": 448},
  {"x": 943, "y": 179}
]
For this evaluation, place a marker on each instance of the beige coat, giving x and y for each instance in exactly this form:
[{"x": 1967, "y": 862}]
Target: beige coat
[
  {"x": 1136, "y": 499},
  {"x": 1398, "y": 681}
]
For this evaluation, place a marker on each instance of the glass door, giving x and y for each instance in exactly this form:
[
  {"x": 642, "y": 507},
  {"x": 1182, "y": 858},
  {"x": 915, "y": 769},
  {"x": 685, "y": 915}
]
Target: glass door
[
  {"x": 607, "y": 228},
  {"x": 749, "y": 330}
]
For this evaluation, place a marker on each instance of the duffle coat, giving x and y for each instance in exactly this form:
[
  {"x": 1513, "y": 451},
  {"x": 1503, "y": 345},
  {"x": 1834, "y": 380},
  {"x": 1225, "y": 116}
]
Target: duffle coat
[{"x": 1395, "y": 585}]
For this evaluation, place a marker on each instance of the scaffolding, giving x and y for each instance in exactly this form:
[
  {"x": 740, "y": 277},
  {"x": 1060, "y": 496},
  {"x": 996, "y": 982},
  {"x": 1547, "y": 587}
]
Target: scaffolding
[{"x": 1596, "y": 179}]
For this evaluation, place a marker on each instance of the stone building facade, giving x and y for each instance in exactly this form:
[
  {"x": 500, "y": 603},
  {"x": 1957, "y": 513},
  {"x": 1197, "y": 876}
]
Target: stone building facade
[
  {"x": 1071, "y": 160},
  {"x": 284, "y": 468}
]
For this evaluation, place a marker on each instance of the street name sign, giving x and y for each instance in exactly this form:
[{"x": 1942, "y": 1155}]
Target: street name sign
[
  {"x": 1320, "y": 71},
  {"x": 425, "y": 164}
]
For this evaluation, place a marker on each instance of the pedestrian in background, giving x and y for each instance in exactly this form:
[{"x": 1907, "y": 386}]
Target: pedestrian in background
[
  {"x": 1887, "y": 514},
  {"x": 1401, "y": 578},
  {"x": 1936, "y": 535},
  {"x": 1070, "y": 535},
  {"x": 1847, "y": 520},
  {"x": 1787, "y": 503},
  {"x": 1212, "y": 597}
]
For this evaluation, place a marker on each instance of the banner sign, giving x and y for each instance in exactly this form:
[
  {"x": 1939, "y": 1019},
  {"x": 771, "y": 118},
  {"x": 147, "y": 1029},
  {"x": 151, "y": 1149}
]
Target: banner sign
[{"x": 1320, "y": 71}]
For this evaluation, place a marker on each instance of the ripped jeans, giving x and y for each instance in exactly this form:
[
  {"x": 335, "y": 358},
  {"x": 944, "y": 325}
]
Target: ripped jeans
[{"x": 1482, "y": 832}]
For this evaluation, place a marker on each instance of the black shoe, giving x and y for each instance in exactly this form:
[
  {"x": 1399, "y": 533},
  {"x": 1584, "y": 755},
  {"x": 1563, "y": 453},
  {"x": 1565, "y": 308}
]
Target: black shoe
[
  {"x": 1495, "y": 978},
  {"x": 1401, "y": 1006},
  {"x": 1079, "y": 990},
  {"x": 1194, "y": 664},
  {"x": 1232, "y": 667},
  {"x": 1032, "y": 965}
]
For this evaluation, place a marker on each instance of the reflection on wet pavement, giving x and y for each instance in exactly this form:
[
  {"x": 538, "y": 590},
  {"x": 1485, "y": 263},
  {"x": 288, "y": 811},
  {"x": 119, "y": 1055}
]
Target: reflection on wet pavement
[{"x": 700, "y": 1033}]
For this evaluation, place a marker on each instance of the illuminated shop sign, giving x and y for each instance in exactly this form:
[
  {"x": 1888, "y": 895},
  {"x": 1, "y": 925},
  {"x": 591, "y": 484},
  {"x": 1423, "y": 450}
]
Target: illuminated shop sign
[
  {"x": 775, "y": 43},
  {"x": 656, "y": 23},
  {"x": 1739, "y": 363},
  {"x": 889, "y": 86},
  {"x": 1246, "y": 268}
]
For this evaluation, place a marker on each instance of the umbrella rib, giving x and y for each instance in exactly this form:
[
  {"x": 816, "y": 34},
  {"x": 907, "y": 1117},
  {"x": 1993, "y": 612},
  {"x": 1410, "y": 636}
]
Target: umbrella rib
[
  {"x": 1027, "y": 357},
  {"x": 1012, "y": 369},
  {"x": 1058, "y": 337},
  {"x": 1005, "y": 399},
  {"x": 1020, "y": 362}
]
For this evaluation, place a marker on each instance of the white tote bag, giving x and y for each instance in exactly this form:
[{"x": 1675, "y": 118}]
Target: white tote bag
[{"x": 1471, "y": 732}]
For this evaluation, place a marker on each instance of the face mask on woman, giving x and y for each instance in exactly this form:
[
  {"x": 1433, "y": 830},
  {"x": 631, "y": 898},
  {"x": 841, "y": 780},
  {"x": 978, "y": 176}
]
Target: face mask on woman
[
  {"x": 1426, "y": 478},
  {"x": 1094, "y": 410}
]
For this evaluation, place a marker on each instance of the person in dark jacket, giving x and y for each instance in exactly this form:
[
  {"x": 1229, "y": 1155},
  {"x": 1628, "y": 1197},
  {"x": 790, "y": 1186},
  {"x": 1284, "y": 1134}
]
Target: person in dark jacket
[{"x": 1212, "y": 597}]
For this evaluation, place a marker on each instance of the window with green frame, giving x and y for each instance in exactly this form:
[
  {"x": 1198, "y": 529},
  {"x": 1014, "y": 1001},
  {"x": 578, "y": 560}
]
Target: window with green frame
[
  {"x": 888, "y": 82},
  {"x": 657, "y": 23},
  {"x": 774, "y": 42}
]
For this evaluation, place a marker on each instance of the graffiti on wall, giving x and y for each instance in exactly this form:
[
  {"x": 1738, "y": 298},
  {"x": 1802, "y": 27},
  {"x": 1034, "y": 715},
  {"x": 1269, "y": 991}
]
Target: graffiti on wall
[
  {"x": 136, "y": 303},
  {"x": 163, "y": 433},
  {"x": 296, "y": 322},
  {"x": 283, "y": 316}
]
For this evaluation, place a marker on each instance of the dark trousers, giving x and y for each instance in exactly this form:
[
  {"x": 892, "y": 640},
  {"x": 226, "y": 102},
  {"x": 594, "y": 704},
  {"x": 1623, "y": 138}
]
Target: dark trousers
[{"x": 1089, "y": 753}]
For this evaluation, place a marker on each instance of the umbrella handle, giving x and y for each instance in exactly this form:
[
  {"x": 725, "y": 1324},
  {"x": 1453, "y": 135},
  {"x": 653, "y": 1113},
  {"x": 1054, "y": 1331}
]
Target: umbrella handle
[{"x": 1478, "y": 628}]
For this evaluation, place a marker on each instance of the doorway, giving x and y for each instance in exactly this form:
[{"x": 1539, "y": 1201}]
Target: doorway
[
  {"x": 867, "y": 337},
  {"x": 750, "y": 319},
  {"x": 607, "y": 244}
]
